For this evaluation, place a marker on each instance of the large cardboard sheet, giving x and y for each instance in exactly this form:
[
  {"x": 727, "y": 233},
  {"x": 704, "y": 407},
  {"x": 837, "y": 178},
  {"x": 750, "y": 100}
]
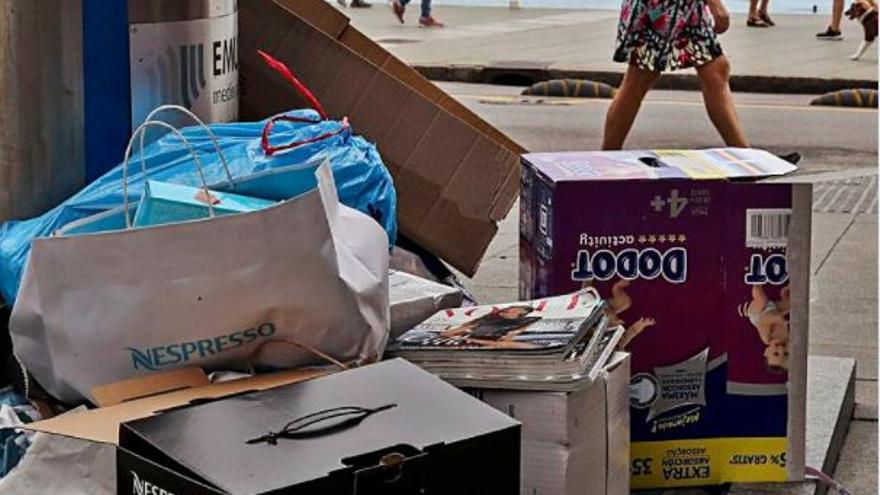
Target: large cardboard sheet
[{"x": 456, "y": 176}]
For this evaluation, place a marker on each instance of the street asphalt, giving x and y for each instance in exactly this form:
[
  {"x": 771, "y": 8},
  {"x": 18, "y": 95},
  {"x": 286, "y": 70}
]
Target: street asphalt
[
  {"x": 831, "y": 138},
  {"x": 840, "y": 158}
]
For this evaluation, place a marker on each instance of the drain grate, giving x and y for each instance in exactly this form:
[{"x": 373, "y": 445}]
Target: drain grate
[{"x": 850, "y": 195}]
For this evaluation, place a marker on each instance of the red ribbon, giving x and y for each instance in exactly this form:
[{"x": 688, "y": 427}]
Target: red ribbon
[{"x": 301, "y": 88}]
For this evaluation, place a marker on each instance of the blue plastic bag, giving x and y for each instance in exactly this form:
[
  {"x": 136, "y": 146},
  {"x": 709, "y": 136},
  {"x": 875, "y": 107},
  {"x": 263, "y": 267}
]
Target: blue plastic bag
[{"x": 361, "y": 178}]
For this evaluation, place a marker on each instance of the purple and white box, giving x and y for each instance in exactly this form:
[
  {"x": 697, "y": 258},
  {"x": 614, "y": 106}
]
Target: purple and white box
[{"x": 703, "y": 256}]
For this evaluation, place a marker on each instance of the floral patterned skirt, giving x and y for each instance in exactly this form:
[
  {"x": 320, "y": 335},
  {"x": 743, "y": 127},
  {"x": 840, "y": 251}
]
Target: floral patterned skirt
[{"x": 660, "y": 35}]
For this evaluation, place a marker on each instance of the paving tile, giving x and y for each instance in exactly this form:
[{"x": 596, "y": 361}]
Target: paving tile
[{"x": 857, "y": 467}]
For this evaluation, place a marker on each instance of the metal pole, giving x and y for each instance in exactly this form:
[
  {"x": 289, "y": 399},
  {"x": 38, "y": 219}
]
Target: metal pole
[{"x": 41, "y": 104}]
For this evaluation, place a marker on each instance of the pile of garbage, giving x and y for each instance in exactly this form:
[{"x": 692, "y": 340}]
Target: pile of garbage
[{"x": 233, "y": 296}]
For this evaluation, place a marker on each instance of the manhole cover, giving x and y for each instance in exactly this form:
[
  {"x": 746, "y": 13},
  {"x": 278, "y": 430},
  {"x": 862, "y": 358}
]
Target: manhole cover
[{"x": 850, "y": 195}]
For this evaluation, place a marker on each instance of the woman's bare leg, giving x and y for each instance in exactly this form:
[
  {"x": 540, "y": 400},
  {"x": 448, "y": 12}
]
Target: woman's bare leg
[
  {"x": 753, "y": 9},
  {"x": 625, "y": 106},
  {"x": 836, "y": 14},
  {"x": 714, "y": 79},
  {"x": 764, "y": 13}
]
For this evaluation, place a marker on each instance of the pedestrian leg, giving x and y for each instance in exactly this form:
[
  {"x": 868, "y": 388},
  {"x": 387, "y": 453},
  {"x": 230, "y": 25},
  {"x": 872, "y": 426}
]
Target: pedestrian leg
[
  {"x": 764, "y": 12},
  {"x": 714, "y": 79},
  {"x": 836, "y": 14},
  {"x": 426, "y": 19},
  {"x": 833, "y": 31},
  {"x": 399, "y": 8},
  {"x": 754, "y": 18},
  {"x": 625, "y": 106}
]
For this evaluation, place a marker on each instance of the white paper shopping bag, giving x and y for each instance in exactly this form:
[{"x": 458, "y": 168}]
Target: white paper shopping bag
[{"x": 99, "y": 308}]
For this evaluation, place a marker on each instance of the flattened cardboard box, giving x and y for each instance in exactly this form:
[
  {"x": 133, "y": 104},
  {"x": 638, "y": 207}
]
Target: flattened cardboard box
[
  {"x": 573, "y": 443},
  {"x": 96, "y": 431},
  {"x": 150, "y": 395},
  {"x": 455, "y": 175},
  {"x": 330, "y": 21}
]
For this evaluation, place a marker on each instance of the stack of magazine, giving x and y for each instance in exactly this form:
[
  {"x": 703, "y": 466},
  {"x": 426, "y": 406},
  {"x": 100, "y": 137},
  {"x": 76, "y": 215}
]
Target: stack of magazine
[{"x": 550, "y": 344}]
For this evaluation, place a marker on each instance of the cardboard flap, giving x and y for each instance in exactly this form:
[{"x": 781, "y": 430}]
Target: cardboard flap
[
  {"x": 330, "y": 21},
  {"x": 145, "y": 386},
  {"x": 455, "y": 175},
  {"x": 617, "y": 457},
  {"x": 718, "y": 163},
  {"x": 319, "y": 14},
  {"x": 798, "y": 261},
  {"x": 102, "y": 424},
  {"x": 616, "y": 359}
]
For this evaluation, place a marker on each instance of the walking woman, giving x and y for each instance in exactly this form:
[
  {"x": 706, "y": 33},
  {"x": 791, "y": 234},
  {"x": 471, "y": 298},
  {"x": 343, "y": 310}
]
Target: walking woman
[{"x": 659, "y": 35}]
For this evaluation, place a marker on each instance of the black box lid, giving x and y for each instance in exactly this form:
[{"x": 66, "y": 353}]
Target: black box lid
[{"x": 209, "y": 441}]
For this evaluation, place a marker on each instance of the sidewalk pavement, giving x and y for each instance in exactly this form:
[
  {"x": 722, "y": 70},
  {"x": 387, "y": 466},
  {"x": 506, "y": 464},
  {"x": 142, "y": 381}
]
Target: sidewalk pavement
[{"x": 580, "y": 43}]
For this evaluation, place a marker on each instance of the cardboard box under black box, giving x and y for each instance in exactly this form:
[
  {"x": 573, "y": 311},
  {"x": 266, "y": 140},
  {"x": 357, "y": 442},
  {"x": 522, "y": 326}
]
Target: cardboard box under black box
[{"x": 426, "y": 438}]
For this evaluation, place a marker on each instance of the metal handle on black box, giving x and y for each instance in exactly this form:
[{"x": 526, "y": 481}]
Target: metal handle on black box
[{"x": 297, "y": 429}]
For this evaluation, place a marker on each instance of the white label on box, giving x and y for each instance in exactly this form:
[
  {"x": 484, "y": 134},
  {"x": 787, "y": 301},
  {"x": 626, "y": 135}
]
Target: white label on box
[{"x": 767, "y": 228}]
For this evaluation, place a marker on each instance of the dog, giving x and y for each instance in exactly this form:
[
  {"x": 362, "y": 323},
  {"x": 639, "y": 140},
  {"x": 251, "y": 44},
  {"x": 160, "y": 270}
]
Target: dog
[{"x": 865, "y": 12}]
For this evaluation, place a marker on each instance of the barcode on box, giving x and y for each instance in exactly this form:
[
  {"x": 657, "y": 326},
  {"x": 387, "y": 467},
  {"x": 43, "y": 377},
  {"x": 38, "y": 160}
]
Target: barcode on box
[{"x": 767, "y": 228}]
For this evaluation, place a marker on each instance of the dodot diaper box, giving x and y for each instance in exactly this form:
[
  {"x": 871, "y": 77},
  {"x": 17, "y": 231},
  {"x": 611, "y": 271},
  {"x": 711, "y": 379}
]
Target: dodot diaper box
[{"x": 703, "y": 256}]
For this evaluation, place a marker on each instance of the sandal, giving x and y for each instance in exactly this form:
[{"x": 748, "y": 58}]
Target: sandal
[
  {"x": 793, "y": 158},
  {"x": 756, "y": 22},
  {"x": 764, "y": 16}
]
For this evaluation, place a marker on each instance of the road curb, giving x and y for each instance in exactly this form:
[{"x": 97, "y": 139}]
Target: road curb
[{"x": 527, "y": 75}]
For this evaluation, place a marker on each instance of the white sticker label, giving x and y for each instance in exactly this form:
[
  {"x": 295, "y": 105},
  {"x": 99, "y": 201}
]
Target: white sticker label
[{"x": 767, "y": 228}]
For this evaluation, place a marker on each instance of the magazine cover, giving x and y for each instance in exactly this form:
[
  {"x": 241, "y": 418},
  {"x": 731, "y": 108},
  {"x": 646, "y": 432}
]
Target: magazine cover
[
  {"x": 545, "y": 344},
  {"x": 553, "y": 325},
  {"x": 710, "y": 283}
]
